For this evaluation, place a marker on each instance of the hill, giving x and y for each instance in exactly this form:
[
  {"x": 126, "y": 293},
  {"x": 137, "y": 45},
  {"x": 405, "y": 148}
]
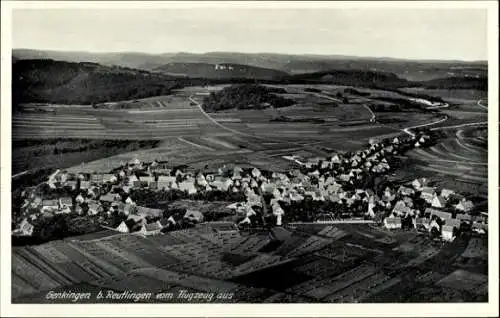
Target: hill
[
  {"x": 358, "y": 78},
  {"x": 220, "y": 71},
  {"x": 457, "y": 82},
  {"x": 293, "y": 64},
  {"x": 49, "y": 81}
]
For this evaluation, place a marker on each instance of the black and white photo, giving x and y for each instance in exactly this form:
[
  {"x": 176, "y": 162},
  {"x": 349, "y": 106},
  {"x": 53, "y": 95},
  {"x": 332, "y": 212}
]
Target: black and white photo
[{"x": 251, "y": 154}]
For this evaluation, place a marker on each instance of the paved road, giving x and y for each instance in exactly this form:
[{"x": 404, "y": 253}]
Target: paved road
[
  {"x": 304, "y": 146},
  {"x": 481, "y": 105},
  {"x": 20, "y": 174},
  {"x": 407, "y": 130}
]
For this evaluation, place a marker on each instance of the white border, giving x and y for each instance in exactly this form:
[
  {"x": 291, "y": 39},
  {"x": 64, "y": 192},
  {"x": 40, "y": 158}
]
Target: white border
[{"x": 256, "y": 310}]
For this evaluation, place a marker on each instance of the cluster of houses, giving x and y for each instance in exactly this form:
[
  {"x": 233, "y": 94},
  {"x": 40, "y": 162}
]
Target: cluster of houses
[
  {"x": 443, "y": 211},
  {"x": 335, "y": 179}
]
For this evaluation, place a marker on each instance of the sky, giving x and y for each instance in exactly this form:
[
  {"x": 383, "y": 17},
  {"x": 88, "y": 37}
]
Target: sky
[{"x": 445, "y": 34}]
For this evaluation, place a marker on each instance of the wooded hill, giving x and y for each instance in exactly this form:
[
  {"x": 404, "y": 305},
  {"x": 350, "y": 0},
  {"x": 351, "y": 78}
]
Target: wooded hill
[{"x": 49, "y": 81}]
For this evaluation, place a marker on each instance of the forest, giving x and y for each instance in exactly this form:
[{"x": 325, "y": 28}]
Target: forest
[{"x": 246, "y": 96}]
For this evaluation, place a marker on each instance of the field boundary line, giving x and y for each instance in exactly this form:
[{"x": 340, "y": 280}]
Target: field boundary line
[{"x": 194, "y": 144}]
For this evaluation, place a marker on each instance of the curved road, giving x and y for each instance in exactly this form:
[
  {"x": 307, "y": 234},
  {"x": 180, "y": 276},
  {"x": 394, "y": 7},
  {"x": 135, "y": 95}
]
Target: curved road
[
  {"x": 481, "y": 105},
  {"x": 407, "y": 130},
  {"x": 198, "y": 104}
]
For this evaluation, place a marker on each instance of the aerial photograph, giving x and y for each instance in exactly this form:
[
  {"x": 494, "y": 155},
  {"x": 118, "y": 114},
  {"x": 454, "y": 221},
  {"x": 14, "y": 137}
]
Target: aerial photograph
[{"x": 249, "y": 155}]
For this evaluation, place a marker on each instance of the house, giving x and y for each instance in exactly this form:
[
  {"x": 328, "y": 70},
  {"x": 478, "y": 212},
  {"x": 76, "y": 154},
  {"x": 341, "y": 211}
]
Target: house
[
  {"x": 453, "y": 222},
  {"x": 65, "y": 202},
  {"x": 148, "y": 179},
  {"x": 464, "y": 217},
  {"x": 85, "y": 185},
  {"x": 188, "y": 186},
  {"x": 151, "y": 228},
  {"x": 447, "y": 232},
  {"x": 201, "y": 181},
  {"x": 109, "y": 198},
  {"x": 408, "y": 201},
  {"x": 132, "y": 179},
  {"x": 480, "y": 228},
  {"x": 194, "y": 216},
  {"x": 256, "y": 173},
  {"x": 422, "y": 224},
  {"x": 442, "y": 215},
  {"x": 419, "y": 183},
  {"x": 144, "y": 211},
  {"x": 123, "y": 228},
  {"x": 445, "y": 193},
  {"x": 72, "y": 184},
  {"x": 140, "y": 184},
  {"x": 406, "y": 191},
  {"x": 129, "y": 200},
  {"x": 96, "y": 178},
  {"x": 427, "y": 193},
  {"x": 223, "y": 184},
  {"x": 25, "y": 228},
  {"x": 392, "y": 223},
  {"x": 109, "y": 178},
  {"x": 438, "y": 202},
  {"x": 464, "y": 205},
  {"x": 166, "y": 223},
  {"x": 399, "y": 208},
  {"x": 94, "y": 208},
  {"x": 79, "y": 199},
  {"x": 48, "y": 205},
  {"x": 133, "y": 225}
]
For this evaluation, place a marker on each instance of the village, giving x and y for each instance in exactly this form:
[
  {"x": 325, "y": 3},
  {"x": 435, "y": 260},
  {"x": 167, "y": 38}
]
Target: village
[{"x": 342, "y": 188}]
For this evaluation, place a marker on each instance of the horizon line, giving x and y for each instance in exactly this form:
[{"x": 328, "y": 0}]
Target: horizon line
[{"x": 326, "y": 55}]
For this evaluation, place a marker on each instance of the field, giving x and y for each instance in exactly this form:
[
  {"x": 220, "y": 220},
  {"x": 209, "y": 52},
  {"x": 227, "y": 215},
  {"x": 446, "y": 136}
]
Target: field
[
  {"x": 188, "y": 135},
  {"x": 345, "y": 263}
]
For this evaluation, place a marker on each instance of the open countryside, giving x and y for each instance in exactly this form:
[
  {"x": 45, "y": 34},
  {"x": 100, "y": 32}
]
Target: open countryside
[{"x": 233, "y": 177}]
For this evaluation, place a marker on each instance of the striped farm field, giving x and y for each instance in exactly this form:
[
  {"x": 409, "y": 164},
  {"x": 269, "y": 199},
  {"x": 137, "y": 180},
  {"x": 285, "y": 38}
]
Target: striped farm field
[{"x": 462, "y": 158}]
